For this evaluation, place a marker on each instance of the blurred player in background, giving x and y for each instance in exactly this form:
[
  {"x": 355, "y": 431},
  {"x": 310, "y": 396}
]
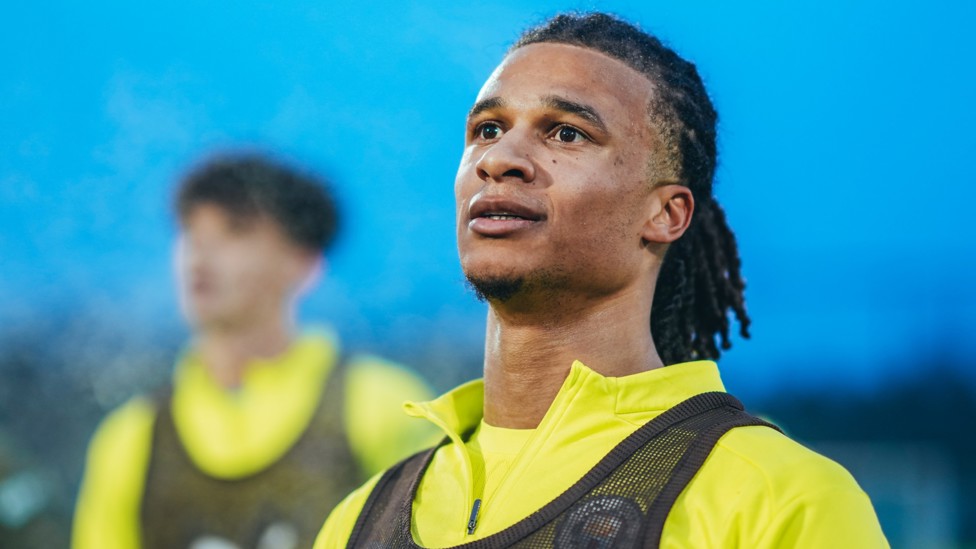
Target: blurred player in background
[{"x": 263, "y": 429}]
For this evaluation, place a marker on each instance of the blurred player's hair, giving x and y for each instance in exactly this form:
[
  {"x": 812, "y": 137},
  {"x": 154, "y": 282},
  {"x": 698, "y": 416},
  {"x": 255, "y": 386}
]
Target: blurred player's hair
[
  {"x": 700, "y": 281},
  {"x": 250, "y": 185}
]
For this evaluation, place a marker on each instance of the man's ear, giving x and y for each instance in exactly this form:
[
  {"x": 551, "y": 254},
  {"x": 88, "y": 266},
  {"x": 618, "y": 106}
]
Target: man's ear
[
  {"x": 311, "y": 271},
  {"x": 671, "y": 208}
]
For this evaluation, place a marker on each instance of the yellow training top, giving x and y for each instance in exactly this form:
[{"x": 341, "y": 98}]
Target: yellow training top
[
  {"x": 757, "y": 489},
  {"x": 232, "y": 434}
]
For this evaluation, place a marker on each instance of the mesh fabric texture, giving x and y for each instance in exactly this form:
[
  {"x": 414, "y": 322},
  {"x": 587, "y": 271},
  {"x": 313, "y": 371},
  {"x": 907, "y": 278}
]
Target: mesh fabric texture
[{"x": 290, "y": 498}]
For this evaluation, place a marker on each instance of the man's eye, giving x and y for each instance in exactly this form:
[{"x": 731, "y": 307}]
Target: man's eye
[
  {"x": 569, "y": 134},
  {"x": 488, "y": 131}
]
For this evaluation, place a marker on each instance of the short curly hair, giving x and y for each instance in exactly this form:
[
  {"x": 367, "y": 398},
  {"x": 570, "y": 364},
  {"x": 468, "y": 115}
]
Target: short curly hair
[{"x": 251, "y": 185}]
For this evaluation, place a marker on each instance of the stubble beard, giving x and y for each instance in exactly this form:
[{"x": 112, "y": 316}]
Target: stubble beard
[
  {"x": 498, "y": 289},
  {"x": 540, "y": 287}
]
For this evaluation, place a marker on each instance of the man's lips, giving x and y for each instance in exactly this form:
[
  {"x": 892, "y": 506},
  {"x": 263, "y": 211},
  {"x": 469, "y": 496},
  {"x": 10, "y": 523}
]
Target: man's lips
[{"x": 502, "y": 216}]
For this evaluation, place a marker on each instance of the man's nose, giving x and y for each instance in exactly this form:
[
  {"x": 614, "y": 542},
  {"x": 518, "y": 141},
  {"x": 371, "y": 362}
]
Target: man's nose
[{"x": 508, "y": 158}]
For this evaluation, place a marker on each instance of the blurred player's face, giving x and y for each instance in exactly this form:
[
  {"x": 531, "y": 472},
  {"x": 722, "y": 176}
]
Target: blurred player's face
[
  {"x": 234, "y": 272},
  {"x": 554, "y": 185}
]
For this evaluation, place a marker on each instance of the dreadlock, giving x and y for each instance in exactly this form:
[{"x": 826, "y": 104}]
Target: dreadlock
[{"x": 699, "y": 282}]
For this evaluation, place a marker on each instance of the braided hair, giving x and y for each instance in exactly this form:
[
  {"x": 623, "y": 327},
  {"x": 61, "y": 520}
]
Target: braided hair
[{"x": 699, "y": 282}]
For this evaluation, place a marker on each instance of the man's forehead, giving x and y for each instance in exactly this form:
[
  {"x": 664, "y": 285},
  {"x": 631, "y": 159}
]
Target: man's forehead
[
  {"x": 545, "y": 70},
  {"x": 215, "y": 214}
]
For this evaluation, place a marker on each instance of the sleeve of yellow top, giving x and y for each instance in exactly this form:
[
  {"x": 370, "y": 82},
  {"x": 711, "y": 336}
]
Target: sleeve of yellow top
[
  {"x": 339, "y": 525},
  {"x": 107, "y": 512},
  {"x": 836, "y": 518},
  {"x": 809, "y": 500},
  {"x": 379, "y": 432}
]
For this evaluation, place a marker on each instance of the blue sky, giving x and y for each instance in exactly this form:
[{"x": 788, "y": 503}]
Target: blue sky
[{"x": 846, "y": 138}]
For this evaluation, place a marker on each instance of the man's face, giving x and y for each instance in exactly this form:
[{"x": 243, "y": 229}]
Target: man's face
[
  {"x": 553, "y": 186},
  {"x": 234, "y": 272}
]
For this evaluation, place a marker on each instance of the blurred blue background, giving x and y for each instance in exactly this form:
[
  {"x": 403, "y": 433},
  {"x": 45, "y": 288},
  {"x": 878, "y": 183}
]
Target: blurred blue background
[{"x": 846, "y": 146}]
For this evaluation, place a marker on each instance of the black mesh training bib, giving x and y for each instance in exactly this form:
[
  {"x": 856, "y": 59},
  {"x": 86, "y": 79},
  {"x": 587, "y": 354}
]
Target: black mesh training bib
[
  {"x": 622, "y": 502},
  {"x": 282, "y": 506}
]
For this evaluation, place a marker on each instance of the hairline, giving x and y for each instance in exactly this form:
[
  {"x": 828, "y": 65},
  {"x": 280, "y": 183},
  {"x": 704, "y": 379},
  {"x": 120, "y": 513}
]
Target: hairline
[{"x": 250, "y": 218}]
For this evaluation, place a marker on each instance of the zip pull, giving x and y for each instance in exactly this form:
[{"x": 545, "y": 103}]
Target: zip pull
[{"x": 473, "y": 521}]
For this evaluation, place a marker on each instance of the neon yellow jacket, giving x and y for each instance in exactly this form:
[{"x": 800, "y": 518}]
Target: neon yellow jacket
[
  {"x": 757, "y": 489},
  {"x": 232, "y": 435}
]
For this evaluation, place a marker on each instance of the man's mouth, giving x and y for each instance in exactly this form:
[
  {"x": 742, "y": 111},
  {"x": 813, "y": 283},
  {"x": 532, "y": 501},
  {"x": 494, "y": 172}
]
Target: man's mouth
[
  {"x": 502, "y": 216},
  {"x": 498, "y": 217}
]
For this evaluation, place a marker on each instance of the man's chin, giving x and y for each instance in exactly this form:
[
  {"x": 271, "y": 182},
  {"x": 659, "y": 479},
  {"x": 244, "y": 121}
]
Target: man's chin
[
  {"x": 496, "y": 288},
  {"x": 208, "y": 321}
]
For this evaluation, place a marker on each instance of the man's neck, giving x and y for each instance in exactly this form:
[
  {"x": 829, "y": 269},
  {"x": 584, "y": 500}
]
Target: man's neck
[
  {"x": 227, "y": 352},
  {"x": 528, "y": 355}
]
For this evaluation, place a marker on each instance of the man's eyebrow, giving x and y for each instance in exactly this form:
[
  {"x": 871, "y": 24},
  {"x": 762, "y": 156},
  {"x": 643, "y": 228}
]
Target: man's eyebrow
[
  {"x": 583, "y": 111},
  {"x": 552, "y": 101},
  {"x": 484, "y": 105}
]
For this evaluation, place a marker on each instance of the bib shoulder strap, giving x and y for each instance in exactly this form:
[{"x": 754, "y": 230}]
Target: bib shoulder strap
[{"x": 392, "y": 497}]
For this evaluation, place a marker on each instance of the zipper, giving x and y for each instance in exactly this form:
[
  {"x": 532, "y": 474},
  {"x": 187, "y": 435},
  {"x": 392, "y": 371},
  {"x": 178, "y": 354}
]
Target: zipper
[{"x": 473, "y": 519}]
